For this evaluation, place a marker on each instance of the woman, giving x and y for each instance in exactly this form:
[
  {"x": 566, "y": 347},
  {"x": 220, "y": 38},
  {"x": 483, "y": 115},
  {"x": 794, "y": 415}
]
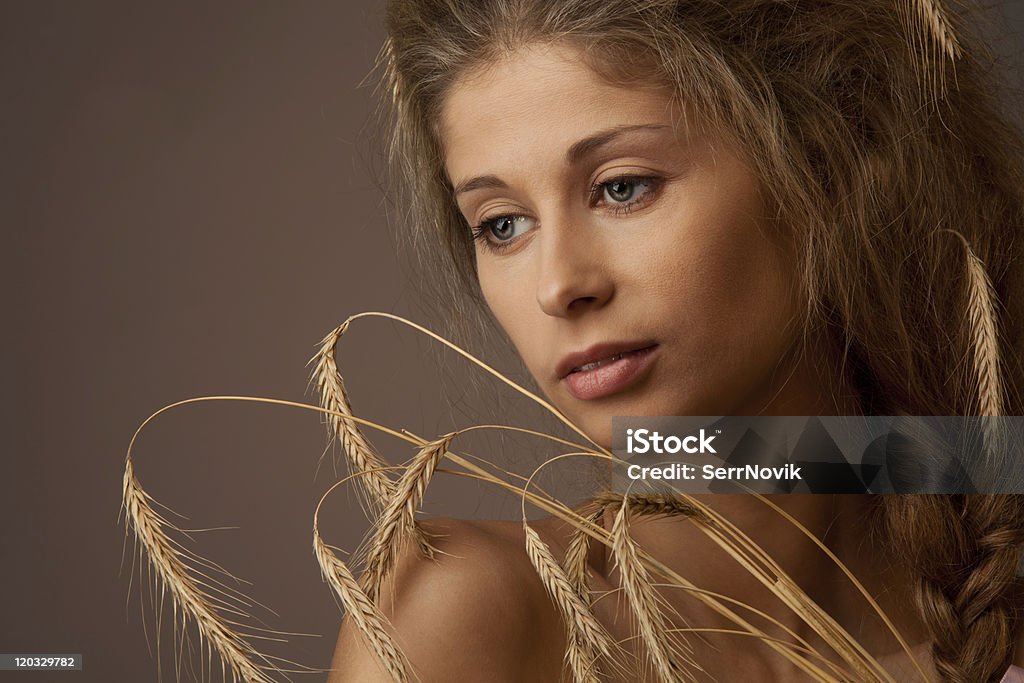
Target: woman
[{"x": 700, "y": 207}]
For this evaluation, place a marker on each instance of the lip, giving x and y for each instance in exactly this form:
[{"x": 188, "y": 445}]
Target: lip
[{"x": 609, "y": 377}]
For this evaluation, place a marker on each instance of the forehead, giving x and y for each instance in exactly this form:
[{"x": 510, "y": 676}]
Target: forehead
[{"x": 538, "y": 98}]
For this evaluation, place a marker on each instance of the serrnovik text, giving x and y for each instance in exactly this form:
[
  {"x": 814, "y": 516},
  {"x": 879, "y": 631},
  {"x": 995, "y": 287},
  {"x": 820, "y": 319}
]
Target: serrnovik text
[{"x": 680, "y": 471}]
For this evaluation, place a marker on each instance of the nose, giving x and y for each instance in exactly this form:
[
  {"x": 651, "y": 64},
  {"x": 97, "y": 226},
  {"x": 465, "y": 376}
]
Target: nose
[{"x": 574, "y": 273}]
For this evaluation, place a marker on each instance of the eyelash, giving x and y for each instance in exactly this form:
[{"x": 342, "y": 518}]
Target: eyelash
[{"x": 481, "y": 232}]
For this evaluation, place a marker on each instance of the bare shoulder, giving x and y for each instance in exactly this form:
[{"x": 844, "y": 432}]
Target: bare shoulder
[{"x": 476, "y": 610}]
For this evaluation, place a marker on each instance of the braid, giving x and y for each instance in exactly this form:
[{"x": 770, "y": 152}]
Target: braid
[
  {"x": 965, "y": 548},
  {"x": 967, "y": 576},
  {"x": 994, "y": 532}
]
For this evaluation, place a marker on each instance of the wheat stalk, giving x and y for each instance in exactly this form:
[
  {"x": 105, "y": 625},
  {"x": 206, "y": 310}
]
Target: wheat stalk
[
  {"x": 766, "y": 570},
  {"x": 486, "y": 368},
  {"x": 649, "y": 504},
  {"x": 937, "y": 25},
  {"x": 378, "y": 488},
  {"x": 586, "y": 635},
  {"x": 931, "y": 31},
  {"x": 361, "y": 610},
  {"x": 397, "y": 521},
  {"x": 186, "y": 585},
  {"x": 643, "y": 598},
  {"x": 577, "y": 550},
  {"x": 559, "y": 510},
  {"x": 981, "y": 313},
  {"x": 712, "y": 600},
  {"x": 983, "y": 323},
  {"x": 550, "y": 505},
  {"x": 984, "y": 327}
]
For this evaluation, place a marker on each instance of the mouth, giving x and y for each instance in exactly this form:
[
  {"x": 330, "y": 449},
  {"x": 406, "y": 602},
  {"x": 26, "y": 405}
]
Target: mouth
[{"x": 605, "y": 369}]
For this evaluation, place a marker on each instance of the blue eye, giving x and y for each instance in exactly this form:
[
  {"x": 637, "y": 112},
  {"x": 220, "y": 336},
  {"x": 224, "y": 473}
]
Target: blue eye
[
  {"x": 625, "y": 190},
  {"x": 497, "y": 232}
]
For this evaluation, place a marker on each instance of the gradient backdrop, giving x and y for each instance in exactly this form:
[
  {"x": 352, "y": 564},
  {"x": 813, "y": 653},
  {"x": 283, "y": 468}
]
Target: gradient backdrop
[{"x": 190, "y": 199}]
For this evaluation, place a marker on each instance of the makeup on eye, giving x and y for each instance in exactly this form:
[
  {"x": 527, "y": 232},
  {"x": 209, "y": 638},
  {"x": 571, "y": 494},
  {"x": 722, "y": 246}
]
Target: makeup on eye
[
  {"x": 499, "y": 233},
  {"x": 625, "y": 193},
  {"x": 621, "y": 194}
]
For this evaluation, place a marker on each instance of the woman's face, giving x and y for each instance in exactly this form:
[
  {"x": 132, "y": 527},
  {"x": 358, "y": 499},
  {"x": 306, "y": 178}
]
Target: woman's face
[{"x": 629, "y": 260}]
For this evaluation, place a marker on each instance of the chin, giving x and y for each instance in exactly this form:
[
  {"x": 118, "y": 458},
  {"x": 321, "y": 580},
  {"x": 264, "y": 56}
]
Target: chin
[{"x": 601, "y": 433}]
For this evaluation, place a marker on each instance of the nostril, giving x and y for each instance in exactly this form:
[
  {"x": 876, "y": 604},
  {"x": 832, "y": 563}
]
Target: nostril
[{"x": 581, "y": 302}]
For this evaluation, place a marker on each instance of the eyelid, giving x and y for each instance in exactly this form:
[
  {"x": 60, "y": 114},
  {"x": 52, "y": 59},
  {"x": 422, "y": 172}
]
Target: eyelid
[
  {"x": 627, "y": 168},
  {"x": 481, "y": 232},
  {"x": 655, "y": 181}
]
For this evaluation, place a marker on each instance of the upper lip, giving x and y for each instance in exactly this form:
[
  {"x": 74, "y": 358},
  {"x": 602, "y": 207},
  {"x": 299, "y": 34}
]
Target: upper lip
[{"x": 595, "y": 353}]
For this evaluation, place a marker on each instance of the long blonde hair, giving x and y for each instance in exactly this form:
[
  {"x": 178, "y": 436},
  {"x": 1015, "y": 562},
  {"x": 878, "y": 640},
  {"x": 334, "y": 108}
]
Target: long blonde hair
[{"x": 874, "y": 128}]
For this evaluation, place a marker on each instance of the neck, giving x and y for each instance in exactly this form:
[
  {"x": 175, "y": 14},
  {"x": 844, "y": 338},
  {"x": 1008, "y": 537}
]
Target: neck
[
  {"x": 843, "y": 525},
  {"x": 782, "y": 525}
]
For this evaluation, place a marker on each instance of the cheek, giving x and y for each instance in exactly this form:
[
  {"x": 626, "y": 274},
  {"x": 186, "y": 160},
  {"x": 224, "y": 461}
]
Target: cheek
[
  {"x": 726, "y": 276},
  {"x": 726, "y": 291},
  {"x": 508, "y": 290},
  {"x": 750, "y": 301}
]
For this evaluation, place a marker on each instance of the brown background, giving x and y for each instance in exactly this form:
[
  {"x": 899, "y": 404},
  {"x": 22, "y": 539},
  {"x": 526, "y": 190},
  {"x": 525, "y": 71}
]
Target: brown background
[{"x": 189, "y": 201}]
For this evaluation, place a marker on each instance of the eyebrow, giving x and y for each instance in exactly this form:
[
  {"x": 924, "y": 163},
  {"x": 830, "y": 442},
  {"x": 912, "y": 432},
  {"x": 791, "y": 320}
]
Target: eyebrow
[
  {"x": 587, "y": 145},
  {"x": 577, "y": 151}
]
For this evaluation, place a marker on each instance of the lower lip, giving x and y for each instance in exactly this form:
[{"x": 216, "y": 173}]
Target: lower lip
[{"x": 610, "y": 378}]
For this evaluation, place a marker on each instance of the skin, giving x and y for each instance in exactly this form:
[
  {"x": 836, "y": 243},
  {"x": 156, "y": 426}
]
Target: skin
[
  {"x": 688, "y": 261},
  {"x": 696, "y": 266}
]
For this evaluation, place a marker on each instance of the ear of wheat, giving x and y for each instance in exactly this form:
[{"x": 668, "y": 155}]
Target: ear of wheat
[
  {"x": 982, "y": 323},
  {"x": 361, "y": 610},
  {"x": 587, "y": 638},
  {"x": 932, "y": 38},
  {"x": 376, "y": 486},
  {"x": 397, "y": 521},
  {"x": 197, "y": 597},
  {"x": 589, "y": 649}
]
